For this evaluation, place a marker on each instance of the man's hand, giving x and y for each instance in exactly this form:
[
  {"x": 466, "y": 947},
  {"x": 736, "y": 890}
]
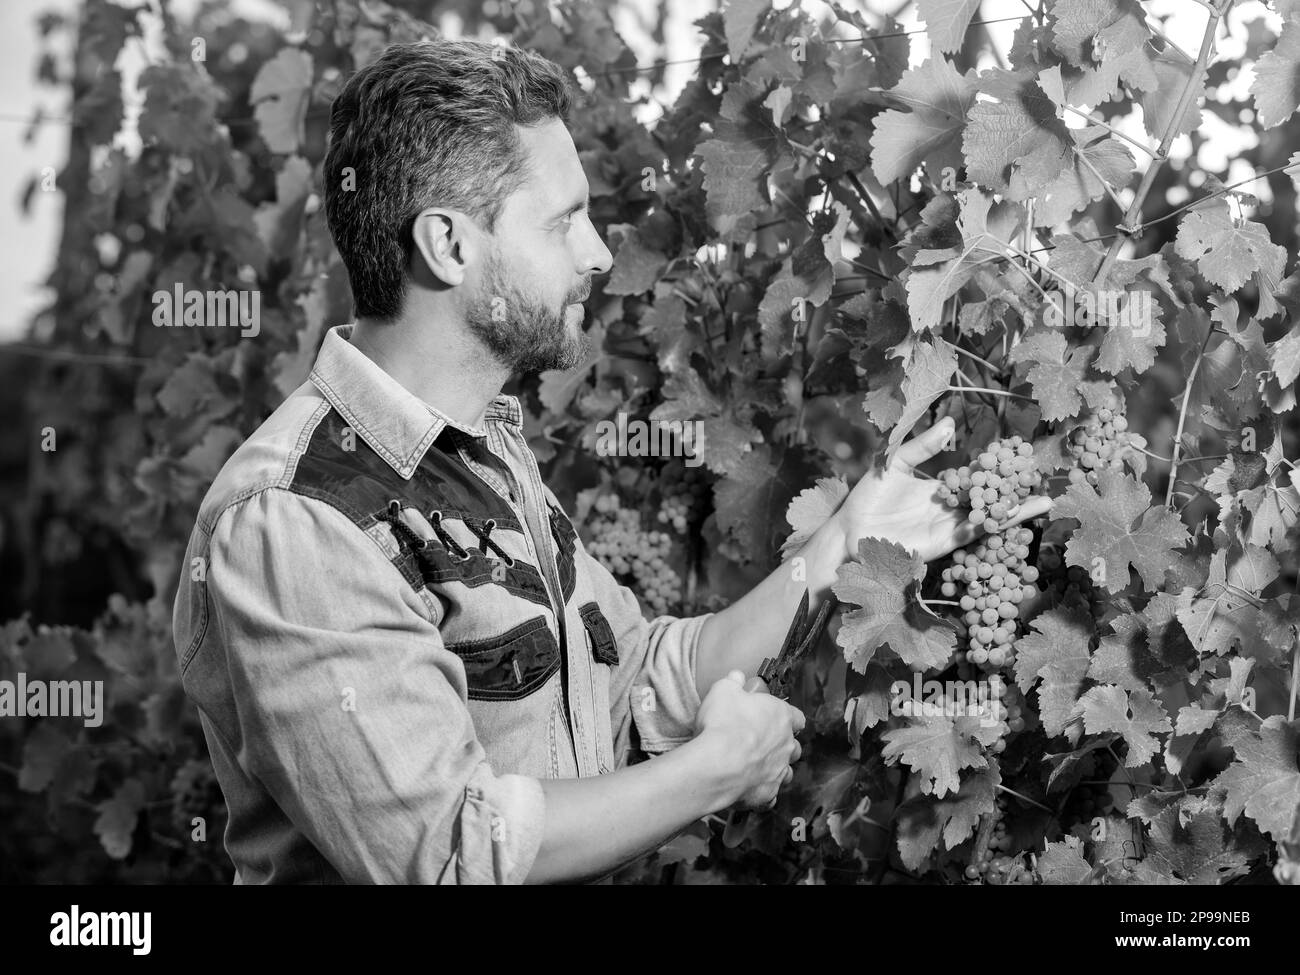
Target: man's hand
[
  {"x": 753, "y": 735},
  {"x": 900, "y": 507}
]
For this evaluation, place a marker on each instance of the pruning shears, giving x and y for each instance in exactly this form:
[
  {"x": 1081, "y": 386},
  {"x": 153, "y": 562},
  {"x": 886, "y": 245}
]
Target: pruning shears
[{"x": 778, "y": 672}]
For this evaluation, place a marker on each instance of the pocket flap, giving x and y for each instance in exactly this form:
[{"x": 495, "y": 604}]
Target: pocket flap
[{"x": 602, "y": 635}]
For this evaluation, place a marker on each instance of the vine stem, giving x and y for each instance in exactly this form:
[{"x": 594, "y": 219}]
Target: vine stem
[
  {"x": 984, "y": 389},
  {"x": 1130, "y": 224},
  {"x": 1295, "y": 681},
  {"x": 1013, "y": 792},
  {"x": 1182, "y": 420}
]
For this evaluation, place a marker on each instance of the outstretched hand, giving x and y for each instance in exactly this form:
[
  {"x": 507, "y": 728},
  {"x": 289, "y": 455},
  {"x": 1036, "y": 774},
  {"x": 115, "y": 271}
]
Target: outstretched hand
[{"x": 898, "y": 506}]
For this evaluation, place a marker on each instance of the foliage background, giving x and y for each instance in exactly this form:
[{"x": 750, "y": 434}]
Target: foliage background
[{"x": 693, "y": 322}]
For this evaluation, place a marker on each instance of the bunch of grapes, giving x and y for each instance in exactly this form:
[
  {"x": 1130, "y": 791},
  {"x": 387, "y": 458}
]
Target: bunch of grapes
[
  {"x": 682, "y": 489},
  {"x": 195, "y": 792},
  {"x": 990, "y": 581},
  {"x": 1003, "y": 475},
  {"x": 994, "y": 864},
  {"x": 622, "y": 547},
  {"x": 1101, "y": 442}
]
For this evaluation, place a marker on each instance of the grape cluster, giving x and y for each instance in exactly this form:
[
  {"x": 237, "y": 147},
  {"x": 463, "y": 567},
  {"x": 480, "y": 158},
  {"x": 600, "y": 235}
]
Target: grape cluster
[
  {"x": 1101, "y": 442},
  {"x": 622, "y": 547},
  {"x": 682, "y": 489},
  {"x": 991, "y": 580},
  {"x": 1003, "y": 475},
  {"x": 995, "y": 865}
]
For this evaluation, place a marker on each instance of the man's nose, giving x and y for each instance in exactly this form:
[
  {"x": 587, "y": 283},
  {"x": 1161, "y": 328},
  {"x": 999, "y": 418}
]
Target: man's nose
[{"x": 595, "y": 258}]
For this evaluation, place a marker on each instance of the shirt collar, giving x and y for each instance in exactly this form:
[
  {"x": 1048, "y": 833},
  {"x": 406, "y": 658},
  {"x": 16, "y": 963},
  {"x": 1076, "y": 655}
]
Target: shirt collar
[{"x": 397, "y": 424}]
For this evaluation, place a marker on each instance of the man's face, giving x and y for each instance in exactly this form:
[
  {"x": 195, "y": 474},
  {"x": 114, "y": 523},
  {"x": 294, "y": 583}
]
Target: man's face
[{"x": 526, "y": 304}]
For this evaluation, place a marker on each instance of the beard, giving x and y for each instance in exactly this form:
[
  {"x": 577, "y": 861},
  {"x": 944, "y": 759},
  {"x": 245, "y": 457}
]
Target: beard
[{"x": 519, "y": 329}]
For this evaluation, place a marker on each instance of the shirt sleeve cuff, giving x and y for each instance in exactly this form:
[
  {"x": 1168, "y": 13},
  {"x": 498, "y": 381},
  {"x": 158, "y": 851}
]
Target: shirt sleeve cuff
[
  {"x": 665, "y": 699},
  {"x": 503, "y": 822}
]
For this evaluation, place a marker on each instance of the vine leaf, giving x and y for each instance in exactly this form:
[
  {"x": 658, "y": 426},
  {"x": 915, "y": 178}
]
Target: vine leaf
[
  {"x": 1228, "y": 611},
  {"x": 923, "y": 820},
  {"x": 1276, "y": 87},
  {"x": 733, "y": 173},
  {"x": 1186, "y": 845},
  {"x": 925, "y": 379},
  {"x": 739, "y": 18},
  {"x": 1134, "y": 714},
  {"x": 117, "y": 817},
  {"x": 280, "y": 95},
  {"x": 1264, "y": 781},
  {"x": 810, "y": 508},
  {"x": 1118, "y": 527},
  {"x": 1015, "y": 144},
  {"x": 883, "y": 583},
  {"x": 1058, "y": 652},
  {"x": 43, "y": 752},
  {"x": 937, "y": 747},
  {"x": 636, "y": 267},
  {"x": 946, "y": 21},
  {"x": 1228, "y": 252},
  {"x": 1062, "y": 864},
  {"x": 1056, "y": 372},
  {"x": 939, "y": 99},
  {"x": 937, "y": 274},
  {"x": 1098, "y": 161}
]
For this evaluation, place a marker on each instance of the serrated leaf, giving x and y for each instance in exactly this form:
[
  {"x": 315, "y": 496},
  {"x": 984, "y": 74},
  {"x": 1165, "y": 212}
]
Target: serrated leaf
[
  {"x": 1056, "y": 372},
  {"x": 937, "y": 747},
  {"x": 1057, "y": 651},
  {"x": 882, "y": 583},
  {"x": 925, "y": 378},
  {"x": 1015, "y": 144},
  {"x": 1228, "y": 252},
  {"x": 1098, "y": 161},
  {"x": 1276, "y": 87},
  {"x": 1062, "y": 864},
  {"x": 939, "y": 98},
  {"x": 946, "y": 21},
  {"x": 923, "y": 820},
  {"x": 810, "y": 509},
  {"x": 1119, "y": 527},
  {"x": 938, "y": 274},
  {"x": 1264, "y": 781},
  {"x": 739, "y": 18},
  {"x": 733, "y": 174},
  {"x": 1193, "y": 719},
  {"x": 1195, "y": 853},
  {"x": 1135, "y": 715}
]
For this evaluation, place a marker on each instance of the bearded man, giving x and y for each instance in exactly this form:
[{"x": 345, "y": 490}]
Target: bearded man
[{"x": 407, "y": 666}]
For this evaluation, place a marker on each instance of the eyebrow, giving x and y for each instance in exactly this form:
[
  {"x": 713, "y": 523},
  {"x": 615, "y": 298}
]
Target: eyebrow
[{"x": 584, "y": 203}]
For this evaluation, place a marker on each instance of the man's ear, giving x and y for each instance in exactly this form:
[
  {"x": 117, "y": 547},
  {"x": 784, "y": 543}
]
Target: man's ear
[{"x": 445, "y": 241}]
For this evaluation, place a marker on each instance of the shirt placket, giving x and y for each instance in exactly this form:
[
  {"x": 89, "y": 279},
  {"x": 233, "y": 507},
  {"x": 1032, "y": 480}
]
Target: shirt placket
[{"x": 514, "y": 455}]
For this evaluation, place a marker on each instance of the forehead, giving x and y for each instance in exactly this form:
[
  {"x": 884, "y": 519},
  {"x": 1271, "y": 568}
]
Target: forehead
[{"x": 555, "y": 178}]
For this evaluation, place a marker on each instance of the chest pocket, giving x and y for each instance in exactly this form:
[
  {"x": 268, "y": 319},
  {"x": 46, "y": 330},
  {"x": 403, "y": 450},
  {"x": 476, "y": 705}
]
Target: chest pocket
[
  {"x": 510, "y": 666},
  {"x": 602, "y": 636}
]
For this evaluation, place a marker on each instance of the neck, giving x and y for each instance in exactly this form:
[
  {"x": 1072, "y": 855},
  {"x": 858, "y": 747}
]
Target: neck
[{"x": 429, "y": 351}]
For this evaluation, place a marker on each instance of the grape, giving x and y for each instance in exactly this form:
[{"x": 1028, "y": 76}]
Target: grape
[{"x": 624, "y": 548}]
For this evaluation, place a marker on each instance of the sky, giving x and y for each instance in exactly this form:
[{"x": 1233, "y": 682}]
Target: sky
[{"x": 28, "y": 243}]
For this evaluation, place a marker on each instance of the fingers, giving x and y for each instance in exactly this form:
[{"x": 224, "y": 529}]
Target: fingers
[
  {"x": 921, "y": 448},
  {"x": 1032, "y": 508},
  {"x": 795, "y": 753},
  {"x": 797, "y": 719},
  {"x": 735, "y": 675}
]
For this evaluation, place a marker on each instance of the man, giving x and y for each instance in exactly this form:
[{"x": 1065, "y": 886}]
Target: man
[{"x": 408, "y": 668}]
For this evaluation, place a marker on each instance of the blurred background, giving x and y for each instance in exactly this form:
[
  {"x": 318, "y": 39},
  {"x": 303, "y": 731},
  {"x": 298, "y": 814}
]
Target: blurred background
[{"x": 178, "y": 141}]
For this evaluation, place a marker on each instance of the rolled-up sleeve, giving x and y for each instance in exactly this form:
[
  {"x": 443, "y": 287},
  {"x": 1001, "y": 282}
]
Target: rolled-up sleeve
[
  {"x": 653, "y": 695},
  {"x": 350, "y": 710}
]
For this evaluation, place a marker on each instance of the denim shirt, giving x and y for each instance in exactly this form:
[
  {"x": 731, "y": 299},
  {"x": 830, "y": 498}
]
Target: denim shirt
[{"x": 392, "y": 632}]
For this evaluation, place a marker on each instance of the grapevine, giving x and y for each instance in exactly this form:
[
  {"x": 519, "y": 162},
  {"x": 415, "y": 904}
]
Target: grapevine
[{"x": 622, "y": 546}]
